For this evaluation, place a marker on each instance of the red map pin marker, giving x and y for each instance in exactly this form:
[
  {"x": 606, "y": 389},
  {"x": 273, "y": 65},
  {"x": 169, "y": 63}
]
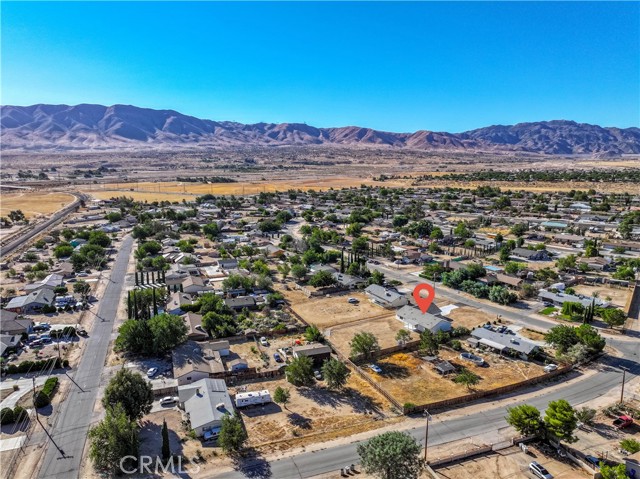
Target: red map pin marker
[{"x": 424, "y": 303}]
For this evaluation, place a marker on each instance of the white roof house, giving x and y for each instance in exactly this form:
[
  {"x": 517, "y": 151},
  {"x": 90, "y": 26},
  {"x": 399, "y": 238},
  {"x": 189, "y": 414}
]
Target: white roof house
[
  {"x": 205, "y": 403},
  {"x": 384, "y": 297},
  {"x": 414, "y": 320}
]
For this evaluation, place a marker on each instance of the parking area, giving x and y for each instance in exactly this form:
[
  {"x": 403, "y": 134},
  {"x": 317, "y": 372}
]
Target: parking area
[{"x": 152, "y": 368}]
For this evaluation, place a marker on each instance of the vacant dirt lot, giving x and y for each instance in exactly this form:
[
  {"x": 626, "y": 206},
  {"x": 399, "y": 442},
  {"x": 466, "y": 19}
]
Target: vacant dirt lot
[
  {"x": 618, "y": 295},
  {"x": 470, "y": 317},
  {"x": 384, "y": 328},
  {"x": 508, "y": 463},
  {"x": 314, "y": 414},
  {"x": 410, "y": 379},
  {"x": 34, "y": 203},
  {"x": 330, "y": 311}
]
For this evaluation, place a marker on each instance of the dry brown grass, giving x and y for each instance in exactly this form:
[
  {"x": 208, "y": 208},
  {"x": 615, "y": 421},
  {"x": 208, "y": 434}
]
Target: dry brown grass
[
  {"x": 34, "y": 204},
  {"x": 411, "y": 380},
  {"x": 469, "y": 317}
]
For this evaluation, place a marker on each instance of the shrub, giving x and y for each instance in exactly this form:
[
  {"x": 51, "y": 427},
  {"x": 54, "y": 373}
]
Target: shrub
[
  {"x": 19, "y": 414},
  {"x": 41, "y": 400},
  {"x": 6, "y": 416},
  {"x": 455, "y": 344},
  {"x": 50, "y": 386}
]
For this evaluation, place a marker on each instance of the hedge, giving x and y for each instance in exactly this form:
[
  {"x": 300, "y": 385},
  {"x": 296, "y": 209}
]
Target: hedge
[
  {"x": 9, "y": 416},
  {"x": 33, "y": 366},
  {"x": 50, "y": 386},
  {"x": 41, "y": 400}
]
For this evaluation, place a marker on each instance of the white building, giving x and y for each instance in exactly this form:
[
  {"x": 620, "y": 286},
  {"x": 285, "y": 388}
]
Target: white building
[
  {"x": 205, "y": 403},
  {"x": 414, "y": 320},
  {"x": 385, "y": 297}
]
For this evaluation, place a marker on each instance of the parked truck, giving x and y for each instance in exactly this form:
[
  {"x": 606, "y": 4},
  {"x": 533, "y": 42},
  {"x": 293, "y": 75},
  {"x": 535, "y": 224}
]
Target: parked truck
[
  {"x": 255, "y": 398},
  {"x": 622, "y": 421}
]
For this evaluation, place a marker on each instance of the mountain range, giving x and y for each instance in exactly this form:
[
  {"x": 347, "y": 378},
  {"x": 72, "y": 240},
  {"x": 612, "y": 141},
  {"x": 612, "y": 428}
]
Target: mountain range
[{"x": 124, "y": 127}]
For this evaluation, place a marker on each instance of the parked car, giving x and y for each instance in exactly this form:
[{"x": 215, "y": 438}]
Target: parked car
[
  {"x": 82, "y": 332},
  {"x": 317, "y": 374},
  {"x": 264, "y": 341},
  {"x": 622, "y": 421},
  {"x": 375, "y": 368},
  {"x": 152, "y": 372},
  {"x": 538, "y": 470},
  {"x": 594, "y": 461},
  {"x": 277, "y": 357},
  {"x": 45, "y": 338},
  {"x": 36, "y": 342},
  {"x": 168, "y": 401},
  {"x": 353, "y": 300},
  {"x": 550, "y": 367}
]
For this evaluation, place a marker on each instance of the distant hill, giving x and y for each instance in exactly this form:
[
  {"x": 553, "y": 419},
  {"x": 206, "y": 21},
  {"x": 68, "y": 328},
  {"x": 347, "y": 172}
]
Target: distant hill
[{"x": 97, "y": 127}]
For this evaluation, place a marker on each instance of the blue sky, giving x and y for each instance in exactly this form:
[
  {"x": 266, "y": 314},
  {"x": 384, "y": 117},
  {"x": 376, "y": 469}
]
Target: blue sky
[{"x": 390, "y": 66}]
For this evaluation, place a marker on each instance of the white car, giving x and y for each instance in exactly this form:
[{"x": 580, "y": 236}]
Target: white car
[
  {"x": 264, "y": 341},
  {"x": 168, "y": 401},
  {"x": 152, "y": 372},
  {"x": 538, "y": 470},
  {"x": 375, "y": 368},
  {"x": 550, "y": 367}
]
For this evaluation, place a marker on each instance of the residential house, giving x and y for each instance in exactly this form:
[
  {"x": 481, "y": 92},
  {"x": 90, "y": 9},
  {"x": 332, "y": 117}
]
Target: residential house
[
  {"x": 241, "y": 302},
  {"x": 415, "y": 320},
  {"x": 32, "y": 302},
  {"x": 195, "y": 361},
  {"x": 228, "y": 263},
  {"x": 176, "y": 299},
  {"x": 503, "y": 343},
  {"x": 530, "y": 254},
  {"x": 385, "y": 297},
  {"x": 9, "y": 344},
  {"x": 558, "y": 299},
  {"x": 238, "y": 365},
  {"x": 51, "y": 282},
  {"x": 347, "y": 281},
  {"x": 319, "y": 353},
  {"x": 205, "y": 403},
  {"x": 13, "y": 323},
  {"x": 195, "y": 332},
  {"x": 194, "y": 284}
]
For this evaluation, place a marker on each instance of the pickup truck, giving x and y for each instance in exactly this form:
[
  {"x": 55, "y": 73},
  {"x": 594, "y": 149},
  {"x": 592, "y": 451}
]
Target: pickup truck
[{"x": 622, "y": 422}]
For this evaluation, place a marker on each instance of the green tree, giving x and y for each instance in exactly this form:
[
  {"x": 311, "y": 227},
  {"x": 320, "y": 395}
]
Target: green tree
[
  {"x": 82, "y": 288},
  {"x": 501, "y": 295},
  {"x": 232, "y": 434},
  {"x": 365, "y": 344},
  {"x": 168, "y": 331},
  {"x": 299, "y": 372},
  {"x": 335, "y": 373},
  {"x": 403, "y": 336},
  {"x": 377, "y": 277},
  {"x": 428, "y": 343},
  {"x": 562, "y": 337},
  {"x": 585, "y": 415},
  {"x": 560, "y": 420},
  {"x": 63, "y": 250},
  {"x": 321, "y": 279},
  {"x": 618, "y": 471},
  {"x": 131, "y": 391},
  {"x": 613, "y": 317},
  {"x": 513, "y": 267},
  {"x": 112, "y": 439},
  {"x": 589, "y": 336},
  {"x": 525, "y": 419},
  {"x": 313, "y": 334},
  {"x": 166, "y": 447},
  {"x": 467, "y": 378},
  {"x": 519, "y": 229},
  {"x": 436, "y": 234},
  {"x": 462, "y": 231},
  {"x": 281, "y": 396},
  {"x": 392, "y": 455},
  {"x": 298, "y": 271},
  {"x": 211, "y": 230},
  {"x": 505, "y": 254}
]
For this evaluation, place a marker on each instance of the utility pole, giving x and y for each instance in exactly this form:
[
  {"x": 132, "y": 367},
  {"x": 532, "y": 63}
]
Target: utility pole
[
  {"x": 624, "y": 373},
  {"x": 426, "y": 414}
]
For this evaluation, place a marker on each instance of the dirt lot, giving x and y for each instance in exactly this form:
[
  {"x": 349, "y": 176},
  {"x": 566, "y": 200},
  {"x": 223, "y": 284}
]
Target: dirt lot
[
  {"x": 508, "y": 463},
  {"x": 618, "y": 296},
  {"x": 34, "y": 203},
  {"x": 471, "y": 317},
  {"x": 410, "y": 379},
  {"x": 314, "y": 414},
  {"x": 326, "y": 312},
  {"x": 384, "y": 328}
]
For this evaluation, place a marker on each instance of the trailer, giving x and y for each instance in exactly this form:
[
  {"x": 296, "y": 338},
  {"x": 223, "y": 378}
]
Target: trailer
[{"x": 254, "y": 398}]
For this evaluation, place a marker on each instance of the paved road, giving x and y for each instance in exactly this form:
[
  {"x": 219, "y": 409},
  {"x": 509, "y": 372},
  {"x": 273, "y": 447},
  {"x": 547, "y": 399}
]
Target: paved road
[
  {"x": 483, "y": 423},
  {"x": 39, "y": 228},
  {"x": 72, "y": 425}
]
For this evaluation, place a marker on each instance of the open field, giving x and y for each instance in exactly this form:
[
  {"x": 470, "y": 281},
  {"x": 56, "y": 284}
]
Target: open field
[
  {"x": 618, "y": 296},
  {"x": 410, "y": 379},
  {"x": 314, "y": 414},
  {"x": 33, "y": 203},
  {"x": 384, "y": 328},
  {"x": 470, "y": 317},
  {"x": 326, "y": 312}
]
